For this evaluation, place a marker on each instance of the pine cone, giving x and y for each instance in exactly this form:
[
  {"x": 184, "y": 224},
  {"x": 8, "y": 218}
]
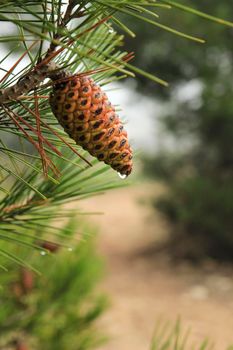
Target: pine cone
[{"x": 84, "y": 111}]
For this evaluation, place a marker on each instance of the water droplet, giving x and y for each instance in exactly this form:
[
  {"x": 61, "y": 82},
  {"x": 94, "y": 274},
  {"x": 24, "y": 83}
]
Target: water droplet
[
  {"x": 43, "y": 253},
  {"x": 122, "y": 176},
  {"x": 70, "y": 249}
]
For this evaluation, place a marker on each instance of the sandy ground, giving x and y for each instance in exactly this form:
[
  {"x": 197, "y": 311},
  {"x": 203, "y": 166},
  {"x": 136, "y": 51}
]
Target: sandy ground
[{"x": 143, "y": 289}]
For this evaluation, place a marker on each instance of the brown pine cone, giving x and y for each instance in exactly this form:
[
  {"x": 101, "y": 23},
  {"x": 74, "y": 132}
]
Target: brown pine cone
[{"x": 86, "y": 114}]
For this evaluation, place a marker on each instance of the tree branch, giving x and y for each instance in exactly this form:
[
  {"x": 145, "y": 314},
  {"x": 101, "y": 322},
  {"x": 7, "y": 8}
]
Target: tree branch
[{"x": 27, "y": 83}]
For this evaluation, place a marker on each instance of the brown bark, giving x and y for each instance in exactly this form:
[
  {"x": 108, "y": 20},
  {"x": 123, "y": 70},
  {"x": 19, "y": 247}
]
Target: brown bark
[{"x": 28, "y": 82}]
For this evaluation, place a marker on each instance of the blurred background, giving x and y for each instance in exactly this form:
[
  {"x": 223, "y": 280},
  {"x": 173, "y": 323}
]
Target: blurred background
[{"x": 167, "y": 240}]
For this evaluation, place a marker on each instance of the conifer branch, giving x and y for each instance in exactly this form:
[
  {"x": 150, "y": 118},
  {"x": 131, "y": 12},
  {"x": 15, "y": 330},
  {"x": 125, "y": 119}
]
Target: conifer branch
[
  {"x": 87, "y": 46},
  {"x": 27, "y": 83}
]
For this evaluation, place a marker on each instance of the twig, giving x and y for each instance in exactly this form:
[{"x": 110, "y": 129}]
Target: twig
[
  {"x": 26, "y": 83},
  {"x": 60, "y": 28},
  {"x": 58, "y": 136},
  {"x": 17, "y": 119}
]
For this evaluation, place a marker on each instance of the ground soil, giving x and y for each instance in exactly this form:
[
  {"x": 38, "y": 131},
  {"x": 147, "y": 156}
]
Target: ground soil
[{"x": 144, "y": 288}]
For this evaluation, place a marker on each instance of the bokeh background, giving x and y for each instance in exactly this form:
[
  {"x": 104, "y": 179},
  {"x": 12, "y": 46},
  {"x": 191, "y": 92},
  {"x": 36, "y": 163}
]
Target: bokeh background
[{"x": 167, "y": 240}]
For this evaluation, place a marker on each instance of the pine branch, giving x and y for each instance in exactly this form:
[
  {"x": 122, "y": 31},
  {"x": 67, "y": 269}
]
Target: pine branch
[
  {"x": 82, "y": 40},
  {"x": 171, "y": 337},
  {"x": 26, "y": 83}
]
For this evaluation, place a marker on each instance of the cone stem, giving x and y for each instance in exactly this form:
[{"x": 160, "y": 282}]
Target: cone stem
[{"x": 30, "y": 81}]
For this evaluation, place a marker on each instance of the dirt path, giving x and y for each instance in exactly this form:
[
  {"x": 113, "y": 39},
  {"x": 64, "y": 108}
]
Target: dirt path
[{"x": 144, "y": 289}]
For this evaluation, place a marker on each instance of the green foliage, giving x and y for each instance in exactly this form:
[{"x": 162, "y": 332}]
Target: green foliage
[
  {"x": 169, "y": 337},
  {"x": 57, "y": 310},
  {"x": 28, "y": 200},
  {"x": 32, "y": 143},
  {"x": 201, "y": 210},
  {"x": 200, "y": 176},
  {"x": 28, "y": 213},
  {"x": 178, "y": 60}
]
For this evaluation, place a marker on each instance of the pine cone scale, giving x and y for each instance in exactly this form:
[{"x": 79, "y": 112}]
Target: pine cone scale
[{"x": 84, "y": 111}]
